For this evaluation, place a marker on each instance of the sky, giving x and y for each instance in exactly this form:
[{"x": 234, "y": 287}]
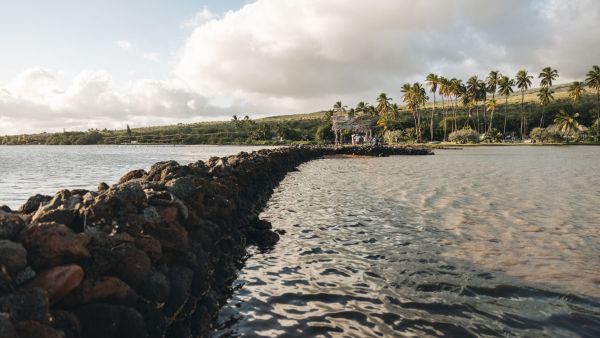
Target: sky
[{"x": 75, "y": 65}]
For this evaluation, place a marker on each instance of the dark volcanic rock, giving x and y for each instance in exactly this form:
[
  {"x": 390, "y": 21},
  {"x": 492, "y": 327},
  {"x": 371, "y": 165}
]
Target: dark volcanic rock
[
  {"x": 151, "y": 256},
  {"x": 100, "y": 320},
  {"x": 13, "y": 256},
  {"x": 33, "y": 203},
  {"x": 11, "y": 226}
]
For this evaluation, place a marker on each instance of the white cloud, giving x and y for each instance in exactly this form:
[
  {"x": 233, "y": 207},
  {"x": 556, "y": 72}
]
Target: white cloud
[
  {"x": 124, "y": 44},
  {"x": 287, "y": 56},
  {"x": 151, "y": 57},
  {"x": 293, "y": 56},
  {"x": 35, "y": 102},
  {"x": 199, "y": 18}
]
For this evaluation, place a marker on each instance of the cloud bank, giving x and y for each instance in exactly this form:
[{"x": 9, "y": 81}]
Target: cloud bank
[{"x": 284, "y": 56}]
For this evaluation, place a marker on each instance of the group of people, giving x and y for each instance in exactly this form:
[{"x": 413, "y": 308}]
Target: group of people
[{"x": 363, "y": 139}]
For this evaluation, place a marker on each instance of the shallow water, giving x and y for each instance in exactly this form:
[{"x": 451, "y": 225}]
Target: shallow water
[
  {"x": 27, "y": 170},
  {"x": 491, "y": 241}
]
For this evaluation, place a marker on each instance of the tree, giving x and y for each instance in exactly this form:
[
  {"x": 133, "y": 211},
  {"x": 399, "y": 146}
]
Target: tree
[
  {"x": 567, "y": 123},
  {"x": 491, "y": 107},
  {"x": 415, "y": 96},
  {"x": 505, "y": 89},
  {"x": 473, "y": 88},
  {"x": 593, "y": 81},
  {"x": 129, "y": 133},
  {"x": 338, "y": 107},
  {"x": 492, "y": 82},
  {"x": 576, "y": 90},
  {"x": 545, "y": 96},
  {"x": 457, "y": 89},
  {"x": 523, "y": 82},
  {"x": 547, "y": 76},
  {"x": 432, "y": 82},
  {"x": 445, "y": 91}
]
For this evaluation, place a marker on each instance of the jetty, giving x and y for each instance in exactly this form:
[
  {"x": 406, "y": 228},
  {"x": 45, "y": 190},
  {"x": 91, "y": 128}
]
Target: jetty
[{"x": 153, "y": 255}]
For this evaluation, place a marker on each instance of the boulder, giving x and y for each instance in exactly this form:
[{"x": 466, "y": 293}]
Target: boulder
[
  {"x": 132, "y": 265},
  {"x": 51, "y": 244},
  {"x": 7, "y": 329},
  {"x": 67, "y": 322},
  {"x": 33, "y": 203},
  {"x": 134, "y": 174},
  {"x": 13, "y": 256},
  {"x": 11, "y": 226},
  {"x": 99, "y": 320},
  {"x": 58, "y": 281},
  {"x": 33, "y": 329},
  {"x": 156, "y": 288},
  {"x": 105, "y": 289},
  {"x": 26, "y": 304}
]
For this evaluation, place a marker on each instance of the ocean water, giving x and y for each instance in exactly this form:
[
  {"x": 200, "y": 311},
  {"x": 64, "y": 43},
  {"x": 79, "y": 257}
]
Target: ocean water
[
  {"x": 30, "y": 170},
  {"x": 488, "y": 241}
]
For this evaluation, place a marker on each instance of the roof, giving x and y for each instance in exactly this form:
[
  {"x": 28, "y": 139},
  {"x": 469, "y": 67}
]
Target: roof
[{"x": 360, "y": 123}]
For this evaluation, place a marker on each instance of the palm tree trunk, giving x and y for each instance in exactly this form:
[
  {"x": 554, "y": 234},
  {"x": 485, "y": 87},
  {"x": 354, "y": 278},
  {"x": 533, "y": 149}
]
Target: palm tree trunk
[
  {"x": 445, "y": 117},
  {"x": 522, "y": 114},
  {"x": 505, "y": 113},
  {"x": 598, "y": 111},
  {"x": 542, "y": 119},
  {"x": 477, "y": 112},
  {"x": 491, "y": 119},
  {"x": 432, "y": 116}
]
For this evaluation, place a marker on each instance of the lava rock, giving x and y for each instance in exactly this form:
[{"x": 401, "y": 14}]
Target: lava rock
[
  {"x": 58, "y": 281},
  {"x": 156, "y": 288},
  {"x": 11, "y": 226},
  {"x": 51, "y": 244},
  {"x": 33, "y": 203},
  {"x": 134, "y": 174},
  {"x": 99, "y": 320},
  {"x": 132, "y": 264},
  {"x": 13, "y": 256},
  {"x": 7, "y": 329},
  {"x": 26, "y": 304},
  {"x": 33, "y": 329}
]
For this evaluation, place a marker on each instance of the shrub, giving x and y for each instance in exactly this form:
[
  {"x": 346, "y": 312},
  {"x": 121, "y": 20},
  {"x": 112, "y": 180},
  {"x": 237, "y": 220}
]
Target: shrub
[
  {"x": 491, "y": 136},
  {"x": 406, "y": 135},
  {"x": 463, "y": 136}
]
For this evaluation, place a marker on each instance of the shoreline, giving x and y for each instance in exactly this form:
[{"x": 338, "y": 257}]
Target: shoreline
[{"x": 154, "y": 254}]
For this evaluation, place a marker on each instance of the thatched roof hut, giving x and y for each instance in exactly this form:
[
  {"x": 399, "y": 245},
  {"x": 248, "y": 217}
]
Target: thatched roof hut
[{"x": 357, "y": 124}]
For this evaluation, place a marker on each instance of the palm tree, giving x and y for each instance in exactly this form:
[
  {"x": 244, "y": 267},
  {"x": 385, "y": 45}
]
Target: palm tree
[
  {"x": 432, "y": 82},
  {"x": 339, "y": 108},
  {"x": 491, "y": 107},
  {"x": 523, "y": 81},
  {"x": 415, "y": 96},
  {"x": 545, "y": 96},
  {"x": 593, "y": 81},
  {"x": 492, "y": 82},
  {"x": 505, "y": 89},
  {"x": 457, "y": 89},
  {"x": 473, "y": 90},
  {"x": 566, "y": 123},
  {"x": 444, "y": 91},
  {"x": 383, "y": 109},
  {"x": 406, "y": 91},
  {"x": 576, "y": 90},
  {"x": 547, "y": 76}
]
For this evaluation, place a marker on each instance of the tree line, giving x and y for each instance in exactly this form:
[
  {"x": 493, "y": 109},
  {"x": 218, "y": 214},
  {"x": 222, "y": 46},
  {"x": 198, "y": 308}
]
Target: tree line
[{"x": 472, "y": 105}]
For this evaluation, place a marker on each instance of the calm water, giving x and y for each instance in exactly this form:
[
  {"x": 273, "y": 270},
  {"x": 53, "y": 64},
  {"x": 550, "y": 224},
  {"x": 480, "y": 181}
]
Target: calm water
[
  {"x": 494, "y": 241},
  {"x": 27, "y": 170}
]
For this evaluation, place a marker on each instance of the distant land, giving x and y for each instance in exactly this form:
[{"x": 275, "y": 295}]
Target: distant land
[{"x": 308, "y": 128}]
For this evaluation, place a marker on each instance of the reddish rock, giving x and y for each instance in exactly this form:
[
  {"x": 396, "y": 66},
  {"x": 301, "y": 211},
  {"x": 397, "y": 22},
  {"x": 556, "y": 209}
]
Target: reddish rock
[
  {"x": 58, "y": 281},
  {"x": 172, "y": 235},
  {"x": 132, "y": 264},
  {"x": 107, "y": 289},
  {"x": 51, "y": 244},
  {"x": 168, "y": 214},
  {"x": 139, "y": 173},
  {"x": 150, "y": 246}
]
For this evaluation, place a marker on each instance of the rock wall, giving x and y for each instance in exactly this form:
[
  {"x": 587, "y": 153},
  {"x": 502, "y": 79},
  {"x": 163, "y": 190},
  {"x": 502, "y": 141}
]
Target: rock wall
[{"x": 151, "y": 256}]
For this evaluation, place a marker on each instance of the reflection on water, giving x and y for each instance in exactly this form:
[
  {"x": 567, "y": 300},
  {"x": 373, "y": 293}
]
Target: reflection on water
[
  {"x": 27, "y": 170},
  {"x": 474, "y": 242}
]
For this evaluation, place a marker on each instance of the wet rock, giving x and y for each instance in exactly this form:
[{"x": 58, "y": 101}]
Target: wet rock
[
  {"x": 58, "y": 281},
  {"x": 7, "y": 329},
  {"x": 26, "y": 304},
  {"x": 132, "y": 265},
  {"x": 60, "y": 216},
  {"x": 100, "y": 320},
  {"x": 11, "y": 226},
  {"x": 33, "y": 329},
  {"x": 33, "y": 203},
  {"x": 182, "y": 187},
  {"x": 51, "y": 244},
  {"x": 13, "y": 256},
  {"x": 156, "y": 288},
  {"x": 134, "y": 174}
]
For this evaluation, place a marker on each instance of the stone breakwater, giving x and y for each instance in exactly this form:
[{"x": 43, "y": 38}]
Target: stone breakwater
[{"x": 151, "y": 256}]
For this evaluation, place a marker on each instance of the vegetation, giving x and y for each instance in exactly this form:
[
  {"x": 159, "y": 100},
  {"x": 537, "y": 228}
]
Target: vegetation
[{"x": 457, "y": 110}]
